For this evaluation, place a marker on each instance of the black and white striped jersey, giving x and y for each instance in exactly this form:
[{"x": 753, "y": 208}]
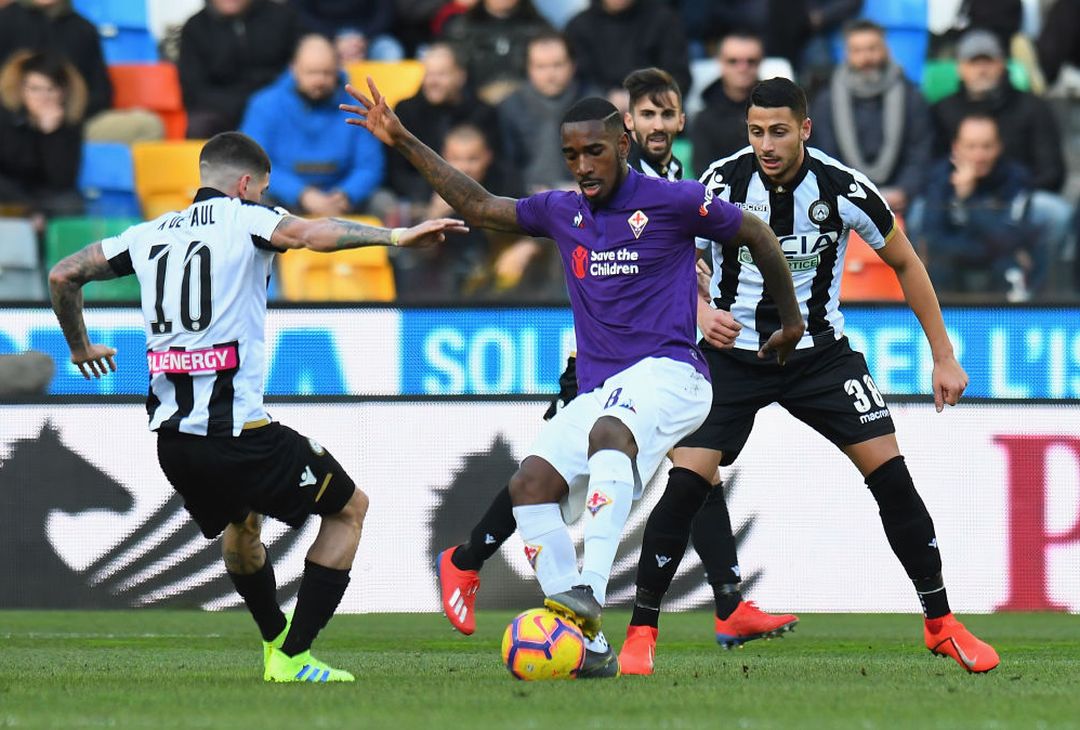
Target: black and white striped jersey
[
  {"x": 812, "y": 216},
  {"x": 202, "y": 277}
]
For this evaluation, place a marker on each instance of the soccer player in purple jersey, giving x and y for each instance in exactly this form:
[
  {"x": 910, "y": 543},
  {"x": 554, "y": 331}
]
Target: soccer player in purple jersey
[{"x": 627, "y": 244}]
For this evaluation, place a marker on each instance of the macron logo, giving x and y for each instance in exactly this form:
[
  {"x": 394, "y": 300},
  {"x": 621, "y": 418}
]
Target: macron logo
[
  {"x": 662, "y": 560},
  {"x": 307, "y": 477}
]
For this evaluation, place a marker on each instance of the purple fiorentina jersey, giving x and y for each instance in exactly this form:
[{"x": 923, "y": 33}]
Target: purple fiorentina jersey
[{"x": 630, "y": 268}]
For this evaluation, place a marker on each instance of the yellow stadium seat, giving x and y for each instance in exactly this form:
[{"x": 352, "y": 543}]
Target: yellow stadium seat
[
  {"x": 396, "y": 80},
  {"x": 166, "y": 174},
  {"x": 353, "y": 275}
]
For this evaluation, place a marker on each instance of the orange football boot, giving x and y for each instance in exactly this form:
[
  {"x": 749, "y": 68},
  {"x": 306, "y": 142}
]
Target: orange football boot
[
  {"x": 458, "y": 588},
  {"x": 946, "y": 636},
  {"x": 748, "y": 622}
]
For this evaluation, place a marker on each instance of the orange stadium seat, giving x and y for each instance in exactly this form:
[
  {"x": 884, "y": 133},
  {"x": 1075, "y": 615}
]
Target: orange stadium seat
[
  {"x": 866, "y": 278},
  {"x": 152, "y": 86},
  {"x": 166, "y": 175},
  {"x": 396, "y": 80},
  {"x": 353, "y": 275}
]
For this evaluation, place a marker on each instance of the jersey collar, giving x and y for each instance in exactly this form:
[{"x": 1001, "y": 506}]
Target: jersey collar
[{"x": 207, "y": 194}]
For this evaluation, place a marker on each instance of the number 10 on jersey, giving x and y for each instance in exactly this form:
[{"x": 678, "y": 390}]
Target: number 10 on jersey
[{"x": 195, "y": 264}]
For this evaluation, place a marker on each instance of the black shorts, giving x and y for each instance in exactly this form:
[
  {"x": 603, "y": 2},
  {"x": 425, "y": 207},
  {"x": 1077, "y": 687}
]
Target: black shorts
[
  {"x": 828, "y": 388},
  {"x": 272, "y": 470}
]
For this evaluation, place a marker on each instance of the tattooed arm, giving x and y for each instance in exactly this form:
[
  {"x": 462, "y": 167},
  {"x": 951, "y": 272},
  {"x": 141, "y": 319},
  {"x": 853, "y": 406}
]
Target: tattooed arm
[
  {"x": 65, "y": 288},
  {"x": 461, "y": 192},
  {"x": 335, "y": 234}
]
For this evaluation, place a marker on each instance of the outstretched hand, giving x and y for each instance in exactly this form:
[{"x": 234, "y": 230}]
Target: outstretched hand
[
  {"x": 432, "y": 231},
  {"x": 96, "y": 361},
  {"x": 374, "y": 116}
]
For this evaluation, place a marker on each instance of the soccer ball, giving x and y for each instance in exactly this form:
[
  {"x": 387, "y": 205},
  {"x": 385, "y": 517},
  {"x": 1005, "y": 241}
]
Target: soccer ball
[{"x": 540, "y": 644}]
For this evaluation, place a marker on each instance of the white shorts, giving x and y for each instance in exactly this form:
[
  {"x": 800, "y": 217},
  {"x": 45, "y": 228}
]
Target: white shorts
[{"x": 659, "y": 399}]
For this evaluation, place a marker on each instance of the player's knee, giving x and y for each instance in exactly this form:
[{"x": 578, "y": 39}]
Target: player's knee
[
  {"x": 610, "y": 433},
  {"x": 894, "y": 491},
  {"x": 685, "y": 493},
  {"x": 529, "y": 488}
]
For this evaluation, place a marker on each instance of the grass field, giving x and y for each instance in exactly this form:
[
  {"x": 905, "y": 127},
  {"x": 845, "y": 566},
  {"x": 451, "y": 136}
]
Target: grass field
[{"x": 167, "y": 669}]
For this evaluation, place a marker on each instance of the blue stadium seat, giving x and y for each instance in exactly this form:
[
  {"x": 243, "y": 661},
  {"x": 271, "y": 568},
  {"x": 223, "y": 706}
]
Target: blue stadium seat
[
  {"x": 107, "y": 180},
  {"x": 897, "y": 13},
  {"x": 116, "y": 13},
  {"x": 128, "y": 45}
]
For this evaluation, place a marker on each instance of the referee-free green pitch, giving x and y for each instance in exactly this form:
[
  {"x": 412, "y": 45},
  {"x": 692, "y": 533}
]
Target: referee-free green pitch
[{"x": 179, "y": 669}]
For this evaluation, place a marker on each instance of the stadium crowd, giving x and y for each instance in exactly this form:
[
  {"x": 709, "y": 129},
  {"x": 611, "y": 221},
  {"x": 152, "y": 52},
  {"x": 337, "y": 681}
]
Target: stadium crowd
[{"x": 965, "y": 114}]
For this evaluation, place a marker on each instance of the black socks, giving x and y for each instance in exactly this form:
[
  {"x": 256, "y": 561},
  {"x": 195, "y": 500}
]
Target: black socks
[
  {"x": 321, "y": 590},
  {"x": 910, "y": 532},
  {"x": 664, "y": 543},
  {"x": 493, "y": 529},
  {"x": 259, "y": 591}
]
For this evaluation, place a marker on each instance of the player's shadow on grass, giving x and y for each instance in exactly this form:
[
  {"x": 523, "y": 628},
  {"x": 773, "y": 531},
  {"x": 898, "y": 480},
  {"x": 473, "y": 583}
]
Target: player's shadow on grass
[
  {"x": 150, "y": 566},
  {"x": 469, "y": 493}
]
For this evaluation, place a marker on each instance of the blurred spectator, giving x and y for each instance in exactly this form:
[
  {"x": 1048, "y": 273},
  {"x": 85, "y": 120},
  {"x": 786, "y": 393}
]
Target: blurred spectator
[
  {"x": 974, "y": 226},
  {"x": 654, "y": 118},
  {"x": 614, "y": 37},
  {"x": 55, "y": 27},
  {"x": 719, "y": 129},
  {"x": 445, "y": 101},
  {"x": 492, "y": 36},
  {"x": 321, "y": 166},
  {"x": 873, "y": 119},
  {"x": 480, "y": 263},
  {"x": 1059, "y": 41},
  {"x": 1029, "y": 132},
  {"x": 1026, "y": 127},
  {"x": 361, "y": 29},
  {"x": 41, "y": 117},
  {"x": 228, "y": 51},
  {"x": 531, "y": 117}
]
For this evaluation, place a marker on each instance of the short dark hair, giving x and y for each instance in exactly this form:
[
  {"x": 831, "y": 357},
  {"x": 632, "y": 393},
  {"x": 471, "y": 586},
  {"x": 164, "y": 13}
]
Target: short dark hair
[
  {"x": 235, "y": 149},
  {"x": 779, "y": 92},
  {"x": 654, "y": 83},
  {"x": 456, "y": 54},
  {"x": 550, "y": 36},
  {"x": 977, "y": 117},
  {"x": 740, "y": 35},
  {"x": 595, "y": 109},
  {"x": 860, "y": 25}
]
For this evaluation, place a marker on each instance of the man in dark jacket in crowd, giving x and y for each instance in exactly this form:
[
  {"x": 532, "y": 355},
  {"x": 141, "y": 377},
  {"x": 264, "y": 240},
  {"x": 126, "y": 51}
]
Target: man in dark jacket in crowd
[
  {"x": 872, "y": 118},
  {"x": 611, "y": 38},
  {"x": 531, "y": 117},
  {"x": 1029, "y": 133},
  {"x": 229, "y": 50},
  {"x": 1027, "y": 129},
  {"x": 976, "y": 235},
  {"x": 446, "y": 100},
  {"x": 719, "y": 129}
]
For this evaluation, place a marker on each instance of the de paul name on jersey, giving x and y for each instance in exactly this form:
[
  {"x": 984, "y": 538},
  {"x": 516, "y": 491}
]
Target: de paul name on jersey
[{"x": 812, "y": 216}]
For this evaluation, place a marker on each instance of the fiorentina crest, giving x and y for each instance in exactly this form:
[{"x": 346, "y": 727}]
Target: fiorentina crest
[{"x": 597, "y": 501}]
